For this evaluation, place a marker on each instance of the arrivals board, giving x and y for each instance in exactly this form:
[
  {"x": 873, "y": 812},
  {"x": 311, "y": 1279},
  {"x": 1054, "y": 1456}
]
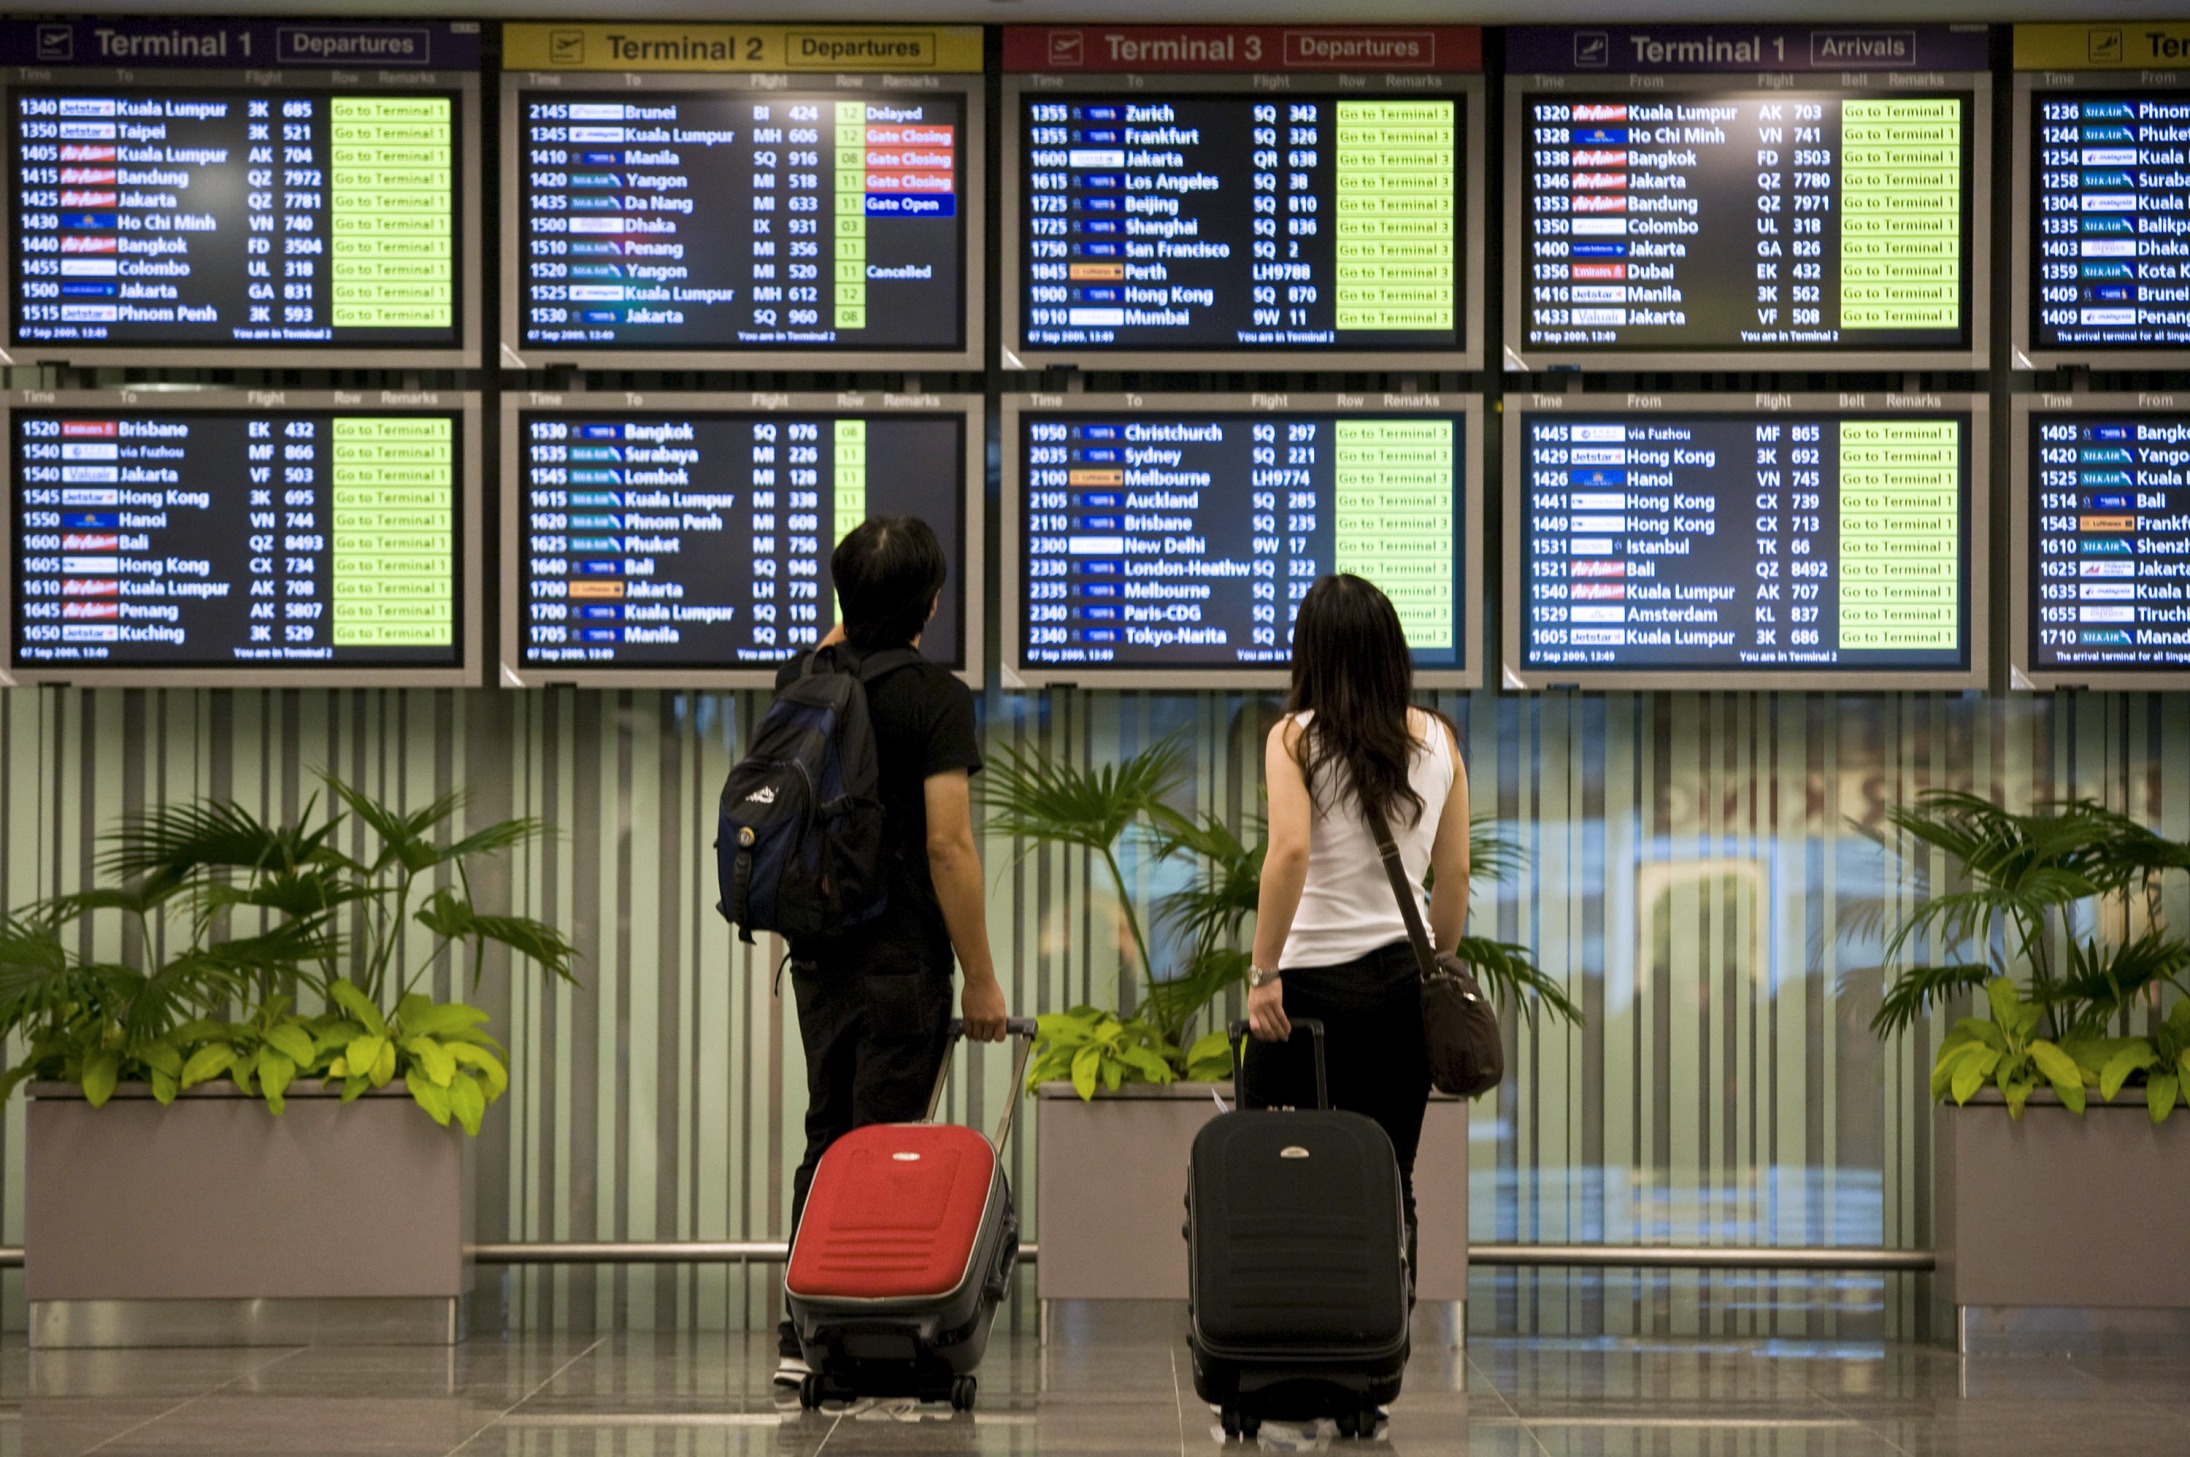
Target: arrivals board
[
  {"x": 713, "y": 202},
  {"x": 684, "y": 540},
  {"x": 1780, "y": 196},
  {"x": 2101, "y": 233},
  {"x": 215, "y": 191},
  {"x": 1167, "y": 540},
  {"x": 1766, "y": 541},
  {"x": 1182, "y": 197},
  {"x": 2101, "y": 551},
  {"x": 269, "y": 537}
]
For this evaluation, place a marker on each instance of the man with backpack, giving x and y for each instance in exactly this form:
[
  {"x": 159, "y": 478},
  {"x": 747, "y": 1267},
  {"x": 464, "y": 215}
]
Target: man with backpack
[{"x": 874, "y": 998}]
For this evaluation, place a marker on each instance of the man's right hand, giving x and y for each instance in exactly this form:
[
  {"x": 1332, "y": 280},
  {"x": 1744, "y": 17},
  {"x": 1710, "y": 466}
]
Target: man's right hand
[{"x": 981, "y": 1003}]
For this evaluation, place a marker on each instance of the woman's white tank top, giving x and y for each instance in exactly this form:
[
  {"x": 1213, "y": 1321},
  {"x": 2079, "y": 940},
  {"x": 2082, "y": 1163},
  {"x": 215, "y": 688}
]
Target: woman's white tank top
[{"x": 1346, "y": 906}]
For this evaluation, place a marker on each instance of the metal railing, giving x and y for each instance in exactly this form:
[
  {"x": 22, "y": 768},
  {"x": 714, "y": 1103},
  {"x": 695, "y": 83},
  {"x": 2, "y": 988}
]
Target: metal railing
[{"x": 1591, "y": 1256}]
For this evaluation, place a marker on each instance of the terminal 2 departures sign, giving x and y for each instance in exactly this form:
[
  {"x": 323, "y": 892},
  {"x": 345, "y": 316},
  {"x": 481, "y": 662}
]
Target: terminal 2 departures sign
[
  {"x": 2101, "y": 230},
  {"x": 722, "y": 196},
  {"x": 1187, "y": 197},
  {"x": 1687, "y": 196},
  {"x": 209, "y": 192}
]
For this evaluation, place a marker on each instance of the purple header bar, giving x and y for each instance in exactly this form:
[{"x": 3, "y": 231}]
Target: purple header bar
[
  {"x": 1585, "y": 50},
  {"x": 238, "y": 45}
]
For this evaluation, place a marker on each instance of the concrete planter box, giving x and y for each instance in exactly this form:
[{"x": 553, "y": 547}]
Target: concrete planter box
[
  {"x": 2059, "y": 1232},
  {"x": 213, "y": 1222},
  {"x": 1111, "y": 1178}
]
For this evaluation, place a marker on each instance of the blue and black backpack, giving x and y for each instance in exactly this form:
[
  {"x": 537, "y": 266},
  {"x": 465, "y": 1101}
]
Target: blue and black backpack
[{"x": 799, "y": 842}]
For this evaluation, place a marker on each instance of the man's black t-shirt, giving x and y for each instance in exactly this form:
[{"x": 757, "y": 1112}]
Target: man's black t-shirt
[{"x": 923, "y": 725}]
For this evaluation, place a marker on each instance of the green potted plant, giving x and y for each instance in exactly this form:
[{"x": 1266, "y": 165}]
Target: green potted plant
[
  {"x": 265, "y": 1055},
  {"x": 1130, "y": 1086},
  {"x": 2056, "y": 915}
]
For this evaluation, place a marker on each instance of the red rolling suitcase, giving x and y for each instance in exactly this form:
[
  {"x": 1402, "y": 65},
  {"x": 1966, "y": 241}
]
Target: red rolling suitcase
[
  {"x": 1297, "y": 1258},
  {"x": 906, "y": 1248}
]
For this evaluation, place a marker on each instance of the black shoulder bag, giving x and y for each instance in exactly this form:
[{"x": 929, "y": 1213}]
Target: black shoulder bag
[{"x": 1459, "y": 1030}]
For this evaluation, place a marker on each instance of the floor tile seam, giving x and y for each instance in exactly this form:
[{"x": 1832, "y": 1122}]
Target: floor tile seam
[
  {"x": 1865, "y": 1423},
  {"x": 1178, "y": 1401},
  {"x": 1468, "y": 1363},
  {"x": 546, "y": 1381},
  {"x": 213, "y": 1390}
]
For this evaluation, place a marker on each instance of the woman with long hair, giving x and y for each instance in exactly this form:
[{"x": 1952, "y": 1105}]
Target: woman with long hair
[{"x": 1330, "y": 942}]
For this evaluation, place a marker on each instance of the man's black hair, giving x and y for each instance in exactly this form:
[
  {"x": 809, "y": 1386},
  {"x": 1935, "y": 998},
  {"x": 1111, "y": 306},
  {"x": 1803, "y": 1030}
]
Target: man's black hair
[{"x": 887, "y": 571}]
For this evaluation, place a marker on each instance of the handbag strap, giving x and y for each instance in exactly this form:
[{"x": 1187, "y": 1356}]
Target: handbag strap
[{"x": 1424, "y": 954}]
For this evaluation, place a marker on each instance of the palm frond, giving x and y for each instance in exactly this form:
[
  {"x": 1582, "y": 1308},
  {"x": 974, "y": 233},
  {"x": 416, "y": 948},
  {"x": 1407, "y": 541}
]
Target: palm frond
[
  {"x": 1491, "y": 856},
  {"x": 1510, "y": 976},
  {"x": 1916, "y": 990},
  {"x": 179, "y": 840},
  {"x": 2102, "y": 981},
  {"x": 1032, "y": 797}
]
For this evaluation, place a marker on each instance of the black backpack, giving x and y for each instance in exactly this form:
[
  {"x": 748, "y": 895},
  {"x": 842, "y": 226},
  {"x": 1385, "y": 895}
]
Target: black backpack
[{"x": 799, "y": 842}]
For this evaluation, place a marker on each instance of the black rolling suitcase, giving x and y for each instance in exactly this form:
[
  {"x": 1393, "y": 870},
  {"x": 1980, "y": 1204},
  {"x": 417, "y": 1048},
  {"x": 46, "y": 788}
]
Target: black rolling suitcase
[{"x": 1296, "y": 1252}]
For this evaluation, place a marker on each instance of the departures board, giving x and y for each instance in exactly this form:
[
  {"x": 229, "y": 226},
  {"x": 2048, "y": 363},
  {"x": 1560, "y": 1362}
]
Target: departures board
[
  {"x": 683, "y": 540},
  {"x": 1200, "y": 217},
  {"x": 1167, "y": 540},
  {"x": 2101, "y": 230},
  {"x": 268, "y": 538},
  {"x": 707, "y": 205},
  {"x": 214, "y": 192},
  {"x": 1759, "y": 541},
  {"x": 2100, "y": 548},
  {"x": 1780, "y": 196}
]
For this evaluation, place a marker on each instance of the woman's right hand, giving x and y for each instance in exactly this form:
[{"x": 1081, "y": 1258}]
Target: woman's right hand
[{"x": 1266, "y": 1013}]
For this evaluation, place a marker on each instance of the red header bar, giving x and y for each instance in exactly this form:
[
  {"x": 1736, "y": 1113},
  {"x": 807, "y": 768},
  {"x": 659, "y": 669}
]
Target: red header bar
[{"x": 1188, "y": 49}]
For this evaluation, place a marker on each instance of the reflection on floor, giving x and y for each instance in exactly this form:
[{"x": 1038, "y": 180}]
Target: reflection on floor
[{"x": 1099, "y": 1388}]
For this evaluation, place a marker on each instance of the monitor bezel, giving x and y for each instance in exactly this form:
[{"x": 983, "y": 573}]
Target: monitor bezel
[
  {"x": 1468, "y": 87},
  {"x": 1523, "y": 358},
  {"x": 968, "y": 88},
  {"x": 1976, "y": 606},
  {"x": 466, "y": 353},
  {"x": 970, "y": 579},
  {"x": 471, "y": 556},
  {"x": 2021, "y": 676},
  {"x": 1016, "y": 673},
  {"x": 2023, "y": 262}
]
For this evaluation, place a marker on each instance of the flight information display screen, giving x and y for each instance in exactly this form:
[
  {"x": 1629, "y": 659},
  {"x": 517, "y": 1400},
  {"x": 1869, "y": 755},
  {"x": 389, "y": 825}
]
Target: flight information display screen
[
  {"x": 1777, "y": 193},
  {"x": 2108, "y": 527},
  {"x": 208, "y": 190},
  {"x": 667, "y": 537},
  {"x": 1177, "y": 221},
  {"x": 1183, "y": 537},
  {"x": 1732, "y": 220},
  {"x": 1828, "y": 541},
  {"x": 742, "y": 219},
  {"x": 2110, "y": 228},
  {"x": 277, "y": 537}
]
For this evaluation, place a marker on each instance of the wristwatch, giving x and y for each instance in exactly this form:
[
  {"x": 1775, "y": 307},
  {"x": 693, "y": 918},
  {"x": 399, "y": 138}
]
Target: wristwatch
[{"x": 1257, "y": 975}]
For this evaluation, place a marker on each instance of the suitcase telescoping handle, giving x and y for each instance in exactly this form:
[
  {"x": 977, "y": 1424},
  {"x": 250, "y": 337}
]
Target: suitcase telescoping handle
[
  {"x": 1313, "y": 1026},
  {"x": 1023, "y": 1028}
]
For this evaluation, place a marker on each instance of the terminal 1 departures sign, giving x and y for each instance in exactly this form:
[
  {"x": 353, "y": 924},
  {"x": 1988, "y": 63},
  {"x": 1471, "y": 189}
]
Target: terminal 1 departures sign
[
  {"x": 1784, "y": 196},
  {"x": 725, "y": 195},
  {"x": 1765, "y": 541},
  {"x": 195, "y": 191},
  {"x": 2101, "y": 231},
  {"x": 1201, "y": 196},
  {"x": 264, "y": 537}
]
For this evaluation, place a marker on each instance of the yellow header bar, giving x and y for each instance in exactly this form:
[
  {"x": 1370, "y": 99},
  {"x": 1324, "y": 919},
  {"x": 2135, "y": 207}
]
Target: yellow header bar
[
  {"x": 2120, "y": 45},
  {"x": 741, "y": 48}
]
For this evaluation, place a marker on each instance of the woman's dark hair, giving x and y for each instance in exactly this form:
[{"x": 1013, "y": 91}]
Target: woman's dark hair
[
  {"x": 887, "y": 572},
  {"x": 1352, "y": 670}
]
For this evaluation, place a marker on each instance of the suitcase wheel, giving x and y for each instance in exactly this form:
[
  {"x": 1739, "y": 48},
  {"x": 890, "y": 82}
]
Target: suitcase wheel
[
  {"x": 1360, "y": 1423},
  {"x": 963, "y": 1391},
  {"x": 1239, "y": 1424},
  {"x": 809, "y": 1390}
]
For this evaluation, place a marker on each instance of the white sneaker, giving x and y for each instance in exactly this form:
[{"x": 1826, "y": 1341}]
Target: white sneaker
[{"x": 791, "y": 1370}]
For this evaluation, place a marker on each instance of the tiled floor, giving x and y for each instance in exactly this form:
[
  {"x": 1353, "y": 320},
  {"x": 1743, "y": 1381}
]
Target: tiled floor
[{"x": 1120, "y": 1389}]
